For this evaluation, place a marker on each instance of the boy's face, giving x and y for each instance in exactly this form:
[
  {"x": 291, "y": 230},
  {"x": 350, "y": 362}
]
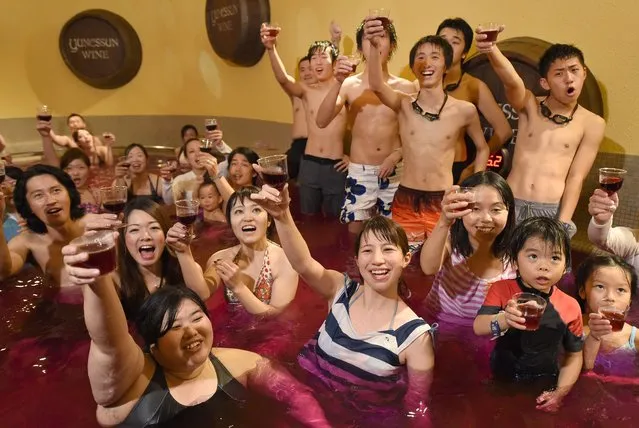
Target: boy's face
[
  {"x": 456, "y": 40},
  {"x": 322, "y": 64},
  {"x": 429, "y": 66},
  {"x": 210, "y": 199},
  {"x": 565, "y": 79},
  {"x": 306, "y": 73},
  {"x": 49, "y": 200},
  {"x": 541, "y": 265}
]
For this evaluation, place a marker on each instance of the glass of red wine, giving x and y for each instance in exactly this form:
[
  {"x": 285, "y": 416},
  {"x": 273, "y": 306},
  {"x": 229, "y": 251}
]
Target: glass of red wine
[
  {"x": 611, "y": 179},
  {"x": 187, "y": 211},
  {"x": 616, "y": 316},
  {"x": 206, "y": 145},
  {"x": 532, "y": 308},
  {"x": 101, "y": 248},
  {"x": 381, "y": 14},
  {"x": 491, "y": 30},
  {"x": 44, "y": 113},
  {"x": 274, "y": 170},
  {"x": 273, "y": 28},
  {"x": 210, "y": 124},
  {"x": 113, "y": 199}
]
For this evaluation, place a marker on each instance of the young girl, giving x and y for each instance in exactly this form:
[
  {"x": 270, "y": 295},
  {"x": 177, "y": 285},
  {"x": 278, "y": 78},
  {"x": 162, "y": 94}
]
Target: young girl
[
  {"x": 370, "y": 335},
  {"x": 466, "y": 248},
  {"x": 211, "y": 202},
  {"x": 606, "y": 280},
  {"x": 77, "y": 164},
  {"x": 540, "y": 250}
]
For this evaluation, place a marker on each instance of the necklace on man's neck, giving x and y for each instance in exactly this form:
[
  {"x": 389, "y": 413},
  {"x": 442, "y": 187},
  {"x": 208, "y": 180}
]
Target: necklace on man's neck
[{"x": 425, "y": 114}]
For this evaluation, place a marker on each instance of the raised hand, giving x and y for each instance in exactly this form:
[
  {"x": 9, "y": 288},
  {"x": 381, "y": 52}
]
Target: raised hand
[
  {"x": 455, "y": 205},
  {"x": 483, "y": 45},
  {"x": 601, "y": 206}
]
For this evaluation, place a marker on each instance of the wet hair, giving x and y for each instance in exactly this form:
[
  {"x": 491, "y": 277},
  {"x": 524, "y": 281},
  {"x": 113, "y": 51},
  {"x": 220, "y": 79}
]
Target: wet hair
[
  {"x": 133, "y": 290},
  {"x": 437, "y": 41},
  {"x": 71, "y": 155},
  {"x": 594, "y": 262},
  {"x": 384, "y": 229},
  {"x": 302, "y": 59},
  {"x": 22, "y": 204},
  {"x": 558, "y": 51},
  {"x": 321, "y": 46},
  {"x": 392, "y": 36},
  {"x": 460, "y": 25},
  {"x": 160, "y": 306},
  {"x": 75, "y": 115},
  {"x": 549, "y": 230},
  {"x": 133, "y": 146},
  {"x": 186, "y": 128},
  {"x": 239, "y": 196},
  {"x": 249, "y": 154},
  {"x": 458, "y": 233}
]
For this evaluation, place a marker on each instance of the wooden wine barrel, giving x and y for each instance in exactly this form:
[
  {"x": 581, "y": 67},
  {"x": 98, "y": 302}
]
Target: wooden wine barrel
[
  {"x": 233, "y": 28},
  {"x": 524, "y": 53},
  {"x": 101, "y": 48}
]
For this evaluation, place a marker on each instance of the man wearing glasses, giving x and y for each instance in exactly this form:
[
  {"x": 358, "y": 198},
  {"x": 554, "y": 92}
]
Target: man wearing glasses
[
  {"x": 430, "y": 125},
  {"x": 557, "y": 141}
]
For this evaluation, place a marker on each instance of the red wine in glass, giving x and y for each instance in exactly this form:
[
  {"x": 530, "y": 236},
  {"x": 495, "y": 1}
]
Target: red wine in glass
[
  {"x": 617, "y": 319},
  {"x": 532, "y": 314},
  {"x": 187, "y": 220},
  {"x": 45, "y": 117},
  {"x": 491, "y": 35},
  {"x": 211, "y": 127},
  {"x": 114, "y": 207},
  {"x": 611, "y": 184},
  {"x": 104, "y": 260},
  {"x": 275, "y": 178},
  {"x": 273, "y": 32},
  {"x": 385, "y": 21}
]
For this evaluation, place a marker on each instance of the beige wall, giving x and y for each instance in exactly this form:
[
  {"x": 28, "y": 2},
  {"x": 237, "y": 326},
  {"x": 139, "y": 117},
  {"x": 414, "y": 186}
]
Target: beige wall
[{"x": 181, "y": 75}]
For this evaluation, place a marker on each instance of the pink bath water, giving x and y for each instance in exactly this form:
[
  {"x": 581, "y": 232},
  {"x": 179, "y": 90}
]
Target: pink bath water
[{"x": 44, "y": 348}]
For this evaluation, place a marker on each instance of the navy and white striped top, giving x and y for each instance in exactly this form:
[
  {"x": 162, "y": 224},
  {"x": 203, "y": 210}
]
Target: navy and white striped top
[{"x": 347, "y": 361}]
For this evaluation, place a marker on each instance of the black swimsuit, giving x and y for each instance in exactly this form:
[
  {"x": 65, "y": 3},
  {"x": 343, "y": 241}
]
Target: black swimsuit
[
  {"x": 154, "y": 193},
  {"x": 158, "y": 408}
]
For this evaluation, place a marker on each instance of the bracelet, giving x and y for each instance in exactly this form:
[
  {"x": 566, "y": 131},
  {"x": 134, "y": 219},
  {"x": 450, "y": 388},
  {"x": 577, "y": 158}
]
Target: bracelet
[{"x": 495, "y": 328}]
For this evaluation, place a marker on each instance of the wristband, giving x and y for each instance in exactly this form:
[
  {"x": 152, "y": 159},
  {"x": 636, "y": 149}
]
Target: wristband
[{"x": 495, "y": 328}]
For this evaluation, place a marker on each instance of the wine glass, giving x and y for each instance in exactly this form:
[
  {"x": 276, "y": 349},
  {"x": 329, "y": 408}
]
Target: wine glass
[
  {"x": 381, "y": 14},
  {"x": 274, "y": 170},
  {"x": 113, "y": 199},
  {"x": 187, "y": 211},
  {"x": 101, "y": 248},
  {"x": 491, "y": 30},
  {"x": 210, "y": 124},
  {"x": 611, "y": 179},
  {"x": 354, "y": 59},
  {"x": 273, "y": 28},
  {"x": 44, "y": 113}
]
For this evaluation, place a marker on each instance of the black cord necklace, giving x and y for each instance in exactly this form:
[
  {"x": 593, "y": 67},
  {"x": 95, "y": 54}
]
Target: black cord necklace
[{"x": 427, "y": 115}]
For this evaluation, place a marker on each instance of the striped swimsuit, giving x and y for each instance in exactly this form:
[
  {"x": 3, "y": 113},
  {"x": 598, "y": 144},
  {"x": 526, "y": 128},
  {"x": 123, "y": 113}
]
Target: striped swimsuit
[
  {"x": 457, "y": 293},
  {"x": 364, "y": 366}
]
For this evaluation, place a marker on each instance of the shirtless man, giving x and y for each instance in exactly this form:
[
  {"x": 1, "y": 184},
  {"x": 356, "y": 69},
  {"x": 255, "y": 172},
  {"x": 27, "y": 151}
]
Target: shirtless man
[
  {"x": 102, "y": 154},
  {"x": 300, "y": 127},
  {"x": 430, "y": 124},
  {"x": 375, "y": 147},
  {"x": 322, "y": 170},
  {"x": 558, "y": 139},
  {"x": 75, "y": 122},
  {"x": 465, "y": 87},
  {"x": 48, "y": 201}
]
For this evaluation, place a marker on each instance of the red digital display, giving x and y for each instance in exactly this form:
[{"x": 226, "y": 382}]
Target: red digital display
[{"x": 495, "y": 161}]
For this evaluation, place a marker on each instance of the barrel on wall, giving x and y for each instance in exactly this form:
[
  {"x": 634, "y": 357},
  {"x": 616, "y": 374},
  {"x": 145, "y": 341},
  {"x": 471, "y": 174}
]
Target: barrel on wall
[
  {"x": 233, "y": 28},
  {"x": 101, "y": 48},
  {"x": 524, "y": 53}
]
